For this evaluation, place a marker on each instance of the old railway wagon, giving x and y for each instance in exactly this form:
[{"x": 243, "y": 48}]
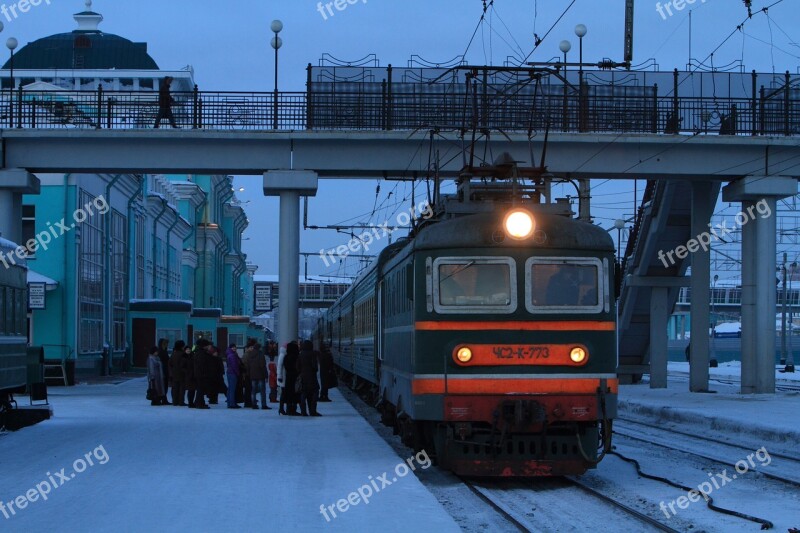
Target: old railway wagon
[
  {"x": 488, "y": 339},
  {"x": 13, "y": 324}
]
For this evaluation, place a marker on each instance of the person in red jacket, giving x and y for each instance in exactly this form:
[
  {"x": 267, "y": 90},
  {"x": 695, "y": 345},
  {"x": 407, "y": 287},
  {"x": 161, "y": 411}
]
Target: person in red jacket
[{"x": 273, "y": 379}]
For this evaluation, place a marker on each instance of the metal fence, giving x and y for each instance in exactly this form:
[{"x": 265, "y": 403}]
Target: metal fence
[{"x": 409, "y": 107}]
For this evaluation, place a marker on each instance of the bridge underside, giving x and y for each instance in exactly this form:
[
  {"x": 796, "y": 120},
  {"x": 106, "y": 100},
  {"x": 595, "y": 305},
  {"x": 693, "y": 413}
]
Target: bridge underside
[
  {"x": 392, "y": 154},
  {"x": 678, "y": 163}
]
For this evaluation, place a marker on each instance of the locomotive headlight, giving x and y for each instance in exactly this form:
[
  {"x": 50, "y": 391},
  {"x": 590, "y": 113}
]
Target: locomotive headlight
[
  {"x": 464, "y": 354},
  {"x": 519, "y": 224},
  {"x": 578, "y": 355}
]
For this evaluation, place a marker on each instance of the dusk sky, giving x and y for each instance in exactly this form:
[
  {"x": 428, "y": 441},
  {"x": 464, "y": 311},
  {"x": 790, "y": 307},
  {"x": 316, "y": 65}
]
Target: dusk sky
[{"x": 227, "y": 44}]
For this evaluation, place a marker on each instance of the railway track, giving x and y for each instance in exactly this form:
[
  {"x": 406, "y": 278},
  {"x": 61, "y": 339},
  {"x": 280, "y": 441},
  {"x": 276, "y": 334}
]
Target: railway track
[
  {"x": 727, "y": 454},
  {"x": 783, "y": 385},
  {"x": 548, "y": 504}
]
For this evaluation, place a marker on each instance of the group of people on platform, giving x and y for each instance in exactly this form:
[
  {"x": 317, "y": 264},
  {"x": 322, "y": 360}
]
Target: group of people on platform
[{"x": 301, "y": 377}]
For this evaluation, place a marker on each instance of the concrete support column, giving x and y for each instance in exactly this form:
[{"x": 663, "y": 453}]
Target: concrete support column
[
  {"x": 13, "y": 184},
  {"x": 702, "y": 209},
  {"x": 659, "y": 315},
  {"x": 759, "y": 195},
  {"x": 748, "y": 346},
  {"x": 11, "y": 215},
  {"x": 289, "y": 185},
  {"x": 765, "y": 295},
  {"x": 289, "y": 266}
]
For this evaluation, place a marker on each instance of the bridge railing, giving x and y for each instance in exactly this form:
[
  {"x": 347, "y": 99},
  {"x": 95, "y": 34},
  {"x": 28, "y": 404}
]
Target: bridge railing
[{"x": 565, "y": 109}]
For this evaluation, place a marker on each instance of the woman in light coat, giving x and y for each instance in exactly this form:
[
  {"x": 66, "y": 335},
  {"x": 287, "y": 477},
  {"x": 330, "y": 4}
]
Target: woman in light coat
[{"x": 155, "y": 378}]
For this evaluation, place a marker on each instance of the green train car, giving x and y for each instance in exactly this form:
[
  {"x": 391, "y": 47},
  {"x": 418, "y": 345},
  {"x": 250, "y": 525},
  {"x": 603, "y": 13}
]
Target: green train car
[
  {"x": 13, "y": 325},
  {"x": 489, "y": 340}
]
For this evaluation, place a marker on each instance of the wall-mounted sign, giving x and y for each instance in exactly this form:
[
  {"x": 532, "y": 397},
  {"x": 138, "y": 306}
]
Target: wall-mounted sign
[
  {"x": 37, "y": 298},
  {"x": 263, "y": 298}
]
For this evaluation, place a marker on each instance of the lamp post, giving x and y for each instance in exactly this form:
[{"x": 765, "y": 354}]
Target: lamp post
[
  {"x": 713, "y": 358},
  {"x": 11, "y": 44},
  {"x": 783, "y": 313},
  {"x": 276, "y": 43},
  {"x": 565, "y": 47},
  {"x": 580, "y": 31},
  {"x": 790, "y": 356}
]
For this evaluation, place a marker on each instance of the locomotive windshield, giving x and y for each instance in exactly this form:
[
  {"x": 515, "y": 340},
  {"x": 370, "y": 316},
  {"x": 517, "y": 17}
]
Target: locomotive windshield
[
  {"x": 564, "y": 285},
  {"x": 464, "y": 284}
]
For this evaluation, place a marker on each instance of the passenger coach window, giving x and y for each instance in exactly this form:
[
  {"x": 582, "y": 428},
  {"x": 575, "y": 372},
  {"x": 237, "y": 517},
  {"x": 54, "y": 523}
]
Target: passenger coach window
[
  {"x": 564, "y": 285},
  {"x": 477, "y": 285}
]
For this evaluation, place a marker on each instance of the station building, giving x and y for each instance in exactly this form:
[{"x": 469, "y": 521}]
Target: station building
[{"x": 124, "y": 260}]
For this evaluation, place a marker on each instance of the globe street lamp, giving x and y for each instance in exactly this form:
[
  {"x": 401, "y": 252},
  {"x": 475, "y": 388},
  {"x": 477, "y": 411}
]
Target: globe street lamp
[
  {"x": 276, "y": 43},
  {"x": 565, "y": 46},
  {"x": 619, "y": 224},
  {"x": 11, "y": 44}
]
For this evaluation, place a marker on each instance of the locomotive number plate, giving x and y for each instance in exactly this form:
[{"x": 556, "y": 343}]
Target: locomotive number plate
[{"x": 524, "y": 353}]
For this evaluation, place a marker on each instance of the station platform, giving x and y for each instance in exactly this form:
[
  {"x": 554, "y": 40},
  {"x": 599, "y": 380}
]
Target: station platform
[
  {"x": 112, "y": 461},
  {"x": 763, "y": 418}
]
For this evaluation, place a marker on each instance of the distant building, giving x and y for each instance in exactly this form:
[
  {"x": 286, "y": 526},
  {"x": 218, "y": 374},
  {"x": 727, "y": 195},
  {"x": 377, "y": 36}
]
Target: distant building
[{"x": 152, "y": 256}]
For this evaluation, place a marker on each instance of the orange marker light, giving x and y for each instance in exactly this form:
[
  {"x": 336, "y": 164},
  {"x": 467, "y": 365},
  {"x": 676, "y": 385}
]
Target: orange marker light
[{"x": 464, "y": 355}]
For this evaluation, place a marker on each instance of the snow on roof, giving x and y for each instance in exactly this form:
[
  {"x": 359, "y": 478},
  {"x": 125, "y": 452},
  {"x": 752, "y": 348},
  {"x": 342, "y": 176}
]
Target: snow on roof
[{"x": 35, "y": 277}]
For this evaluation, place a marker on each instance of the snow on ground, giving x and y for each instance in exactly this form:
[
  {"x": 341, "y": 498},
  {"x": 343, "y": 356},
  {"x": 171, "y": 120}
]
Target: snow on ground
[
  {"x": 771, "y": 421},
  {"x": 771, "y": 417},
  {"x": 173, "y": 468}
]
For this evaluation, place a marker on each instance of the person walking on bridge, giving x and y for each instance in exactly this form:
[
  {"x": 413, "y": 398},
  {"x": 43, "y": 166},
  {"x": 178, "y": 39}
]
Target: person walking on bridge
[{"x": 165, "y": 102}]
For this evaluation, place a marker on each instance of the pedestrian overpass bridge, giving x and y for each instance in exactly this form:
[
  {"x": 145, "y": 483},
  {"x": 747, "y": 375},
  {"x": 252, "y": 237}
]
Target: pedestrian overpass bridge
[{"x": 688, "y": 133}]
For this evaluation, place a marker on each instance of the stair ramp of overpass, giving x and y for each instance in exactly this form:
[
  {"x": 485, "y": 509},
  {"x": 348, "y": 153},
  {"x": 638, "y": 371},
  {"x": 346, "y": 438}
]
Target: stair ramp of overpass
[{"x": 663, "y": 222}]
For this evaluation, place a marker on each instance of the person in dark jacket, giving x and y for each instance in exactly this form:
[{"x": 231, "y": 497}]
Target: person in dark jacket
[
  {"x": 327, "y": 374},
  {"x": 165, "y": 103},
  {"x": 155, "y": 379},
  {"x": 203, "y": 372},
  {"x": 291, "y": 373},
  {"x": 233, "y": 373},
  {"x": 256, "y": 364},
  {"x": 176, "y": 368},
  {"x": 163, "y": 356},
  {"x": 218, "y": 371},
  {"x": 308, "y": 365},
  {"x": 187, "y": 364}
]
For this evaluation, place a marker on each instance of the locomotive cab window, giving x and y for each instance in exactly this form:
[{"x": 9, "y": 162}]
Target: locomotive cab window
[
  {"x": 564, "y": 285},
  {"x": 474, "y": 285}
]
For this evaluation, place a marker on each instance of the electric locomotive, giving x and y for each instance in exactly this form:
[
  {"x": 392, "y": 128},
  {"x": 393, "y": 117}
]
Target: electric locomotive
[
  {"x": 13, "y": 325},
  {"x": 488, "y": 336}
]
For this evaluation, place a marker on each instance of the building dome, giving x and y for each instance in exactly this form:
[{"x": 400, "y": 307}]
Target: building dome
[{"x": 85, "y": 48}]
